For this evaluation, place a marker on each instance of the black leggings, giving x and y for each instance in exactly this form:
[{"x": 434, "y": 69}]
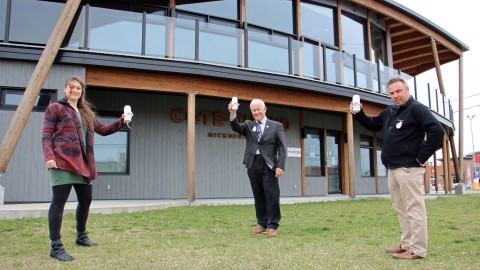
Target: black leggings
[{"x": 59, "y": 198}]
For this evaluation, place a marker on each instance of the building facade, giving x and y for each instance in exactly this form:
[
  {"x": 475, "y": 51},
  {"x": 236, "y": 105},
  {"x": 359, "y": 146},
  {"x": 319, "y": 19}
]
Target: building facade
[{"x": 178, "y": 63}]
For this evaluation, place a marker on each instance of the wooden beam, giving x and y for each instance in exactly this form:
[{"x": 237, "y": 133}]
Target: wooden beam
[
  {"x": 460, "y": 116},
  {"x": 406, "y": 47},
  {"x": 446, "y": 165},
  {"x": 375, "y": 162},
  {"x": 426, "y": 179},
  {"x": 436, "y": 171},
  {"x": 445, "y": 169},
  {"x": 436, "y": 59},
  {"x": 20, "y": 118},
  {"x": 182, "y": 84},
  {"x": 458, "y": 174},
  {"x": 191, "y": 153},
  {"x": 379, "y": 7},
  {"x": 351, "y": 156},
  {"x": 302, "y": 145},
  {"x": 327, "y": 161}
]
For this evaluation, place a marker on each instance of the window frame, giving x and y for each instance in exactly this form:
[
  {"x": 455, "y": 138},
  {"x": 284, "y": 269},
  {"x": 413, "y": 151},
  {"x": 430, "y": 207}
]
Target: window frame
[
  {"x": 114, "y": 114},
  {"x": 320, "y": 133},
  {"x": 371, "y": 164},
  {"x": 4, "y": 90}
]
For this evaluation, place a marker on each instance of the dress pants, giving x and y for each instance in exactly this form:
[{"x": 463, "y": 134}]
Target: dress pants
[
  {"x": 405, "y": 186},
  {"x": 266, "y": 193}
]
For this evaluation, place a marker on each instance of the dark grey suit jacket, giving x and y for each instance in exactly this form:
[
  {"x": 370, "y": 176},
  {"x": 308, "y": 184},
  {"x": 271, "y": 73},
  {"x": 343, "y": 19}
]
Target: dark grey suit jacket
[{"x": 272, "y": 146}]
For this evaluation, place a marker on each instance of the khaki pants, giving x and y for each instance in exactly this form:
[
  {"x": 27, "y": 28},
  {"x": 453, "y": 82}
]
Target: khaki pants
[{"x": 405, "y": 186}]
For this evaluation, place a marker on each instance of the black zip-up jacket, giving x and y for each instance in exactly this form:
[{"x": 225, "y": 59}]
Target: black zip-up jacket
[{"x": 411, "y": 134}]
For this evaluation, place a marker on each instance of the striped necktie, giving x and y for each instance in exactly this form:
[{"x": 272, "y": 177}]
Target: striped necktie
[{"x": 259, "y": 130}]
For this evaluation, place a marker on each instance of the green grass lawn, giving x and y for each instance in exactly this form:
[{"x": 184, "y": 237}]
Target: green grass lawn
[{"x": 324, "y": 235}]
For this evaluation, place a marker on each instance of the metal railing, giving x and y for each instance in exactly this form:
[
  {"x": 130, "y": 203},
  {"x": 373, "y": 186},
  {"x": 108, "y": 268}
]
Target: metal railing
[{"x": 157, "y": 36}]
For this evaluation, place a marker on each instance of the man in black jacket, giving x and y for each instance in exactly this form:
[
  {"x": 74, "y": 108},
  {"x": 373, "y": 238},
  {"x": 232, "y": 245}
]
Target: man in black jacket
[
  {"x": 411, "y": 134},
  {"x": 265, "y": 156}
]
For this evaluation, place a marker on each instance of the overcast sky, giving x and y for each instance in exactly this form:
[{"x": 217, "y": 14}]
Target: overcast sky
[{"x": 460, "y": 19}]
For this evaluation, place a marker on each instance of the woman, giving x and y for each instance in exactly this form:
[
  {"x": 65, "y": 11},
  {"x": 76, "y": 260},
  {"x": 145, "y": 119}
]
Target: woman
[{"x": 67, "y": 140}]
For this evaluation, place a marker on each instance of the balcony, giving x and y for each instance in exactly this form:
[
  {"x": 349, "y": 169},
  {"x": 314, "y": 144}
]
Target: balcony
[{"x": 155, "y": 36}]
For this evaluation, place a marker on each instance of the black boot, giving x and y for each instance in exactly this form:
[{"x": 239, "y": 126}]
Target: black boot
[
  {"x": 59, "y": 252},
  {"x": 83, "y": 240}
]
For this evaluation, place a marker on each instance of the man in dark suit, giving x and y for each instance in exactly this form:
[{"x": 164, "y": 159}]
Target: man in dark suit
[{"x": 265, "y": 155}]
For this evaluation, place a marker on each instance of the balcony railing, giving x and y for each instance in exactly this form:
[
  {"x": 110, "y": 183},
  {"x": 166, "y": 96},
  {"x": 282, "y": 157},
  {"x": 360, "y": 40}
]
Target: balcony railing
[{"x": 157, "y": 36}]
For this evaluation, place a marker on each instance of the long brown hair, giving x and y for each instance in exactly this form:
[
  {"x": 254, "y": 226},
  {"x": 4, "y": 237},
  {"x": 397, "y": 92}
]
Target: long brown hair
[{"x": 87, "y": 110}]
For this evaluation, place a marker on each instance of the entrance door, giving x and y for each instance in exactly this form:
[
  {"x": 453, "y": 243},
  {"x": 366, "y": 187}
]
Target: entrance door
[{"x": 333, "y": 162}]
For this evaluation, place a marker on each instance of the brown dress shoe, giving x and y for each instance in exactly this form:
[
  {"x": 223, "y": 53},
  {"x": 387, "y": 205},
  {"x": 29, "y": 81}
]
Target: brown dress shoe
[
  {"x": 409, "y": 255},
  {"x": 395, "y": 250},
  {"x": 258, "y": 230},
  {"x": 271, "y": 233}
]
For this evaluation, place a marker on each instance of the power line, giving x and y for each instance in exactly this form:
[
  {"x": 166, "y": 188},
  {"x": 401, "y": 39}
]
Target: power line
[
  {"x": 468, "y": 108},
  {"x": 465, "y": 97}
]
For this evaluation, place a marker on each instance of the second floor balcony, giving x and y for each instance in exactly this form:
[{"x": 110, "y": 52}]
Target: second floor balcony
[{"x": 157, "y": 36}]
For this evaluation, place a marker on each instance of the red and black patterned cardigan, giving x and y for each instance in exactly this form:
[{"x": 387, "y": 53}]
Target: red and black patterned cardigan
[{"x": 62, "y": 139}]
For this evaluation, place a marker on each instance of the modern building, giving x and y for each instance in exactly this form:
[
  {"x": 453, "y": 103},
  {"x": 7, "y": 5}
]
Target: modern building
[{"x": 179, "y": 63}]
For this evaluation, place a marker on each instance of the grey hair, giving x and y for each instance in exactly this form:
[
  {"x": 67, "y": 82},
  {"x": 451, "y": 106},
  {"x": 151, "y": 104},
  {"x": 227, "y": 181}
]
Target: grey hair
[
  {"x": 397, "y": 78},
  {"x": 257, "y": 101}
]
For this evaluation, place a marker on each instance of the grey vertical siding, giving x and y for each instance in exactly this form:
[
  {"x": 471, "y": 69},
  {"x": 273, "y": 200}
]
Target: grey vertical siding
[
  {"x": 26, "y": 178},
  {"x": 158, "y": 160},
  {"x": 158, "y": 149},
  {"x": 365, "y": 185}
]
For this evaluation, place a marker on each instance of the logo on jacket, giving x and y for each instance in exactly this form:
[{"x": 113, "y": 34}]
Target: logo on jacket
[{"x": 399, "y": 124}]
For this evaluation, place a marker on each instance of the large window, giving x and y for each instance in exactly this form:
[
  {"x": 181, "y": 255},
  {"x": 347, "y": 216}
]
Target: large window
[
  {"x": 106, "y": 26},
  {"x": 32, "y": 21},
  {"x": 379, "y": 45},
  {"x": 111, "y": 152},
  {"x": 353, "y": 36},
  {"x": 225, "y": 9},
  {"x": 366, "y": 156},
  {"x": 314, "y": 159},
  {"x": 10, "y": 98},
  {"x": 271, "y": 14},
  {"x": 318, "y": 23}
]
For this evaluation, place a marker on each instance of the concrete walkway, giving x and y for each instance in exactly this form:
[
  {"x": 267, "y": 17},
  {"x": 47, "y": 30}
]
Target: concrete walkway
[{"x": 35, "y": 210}]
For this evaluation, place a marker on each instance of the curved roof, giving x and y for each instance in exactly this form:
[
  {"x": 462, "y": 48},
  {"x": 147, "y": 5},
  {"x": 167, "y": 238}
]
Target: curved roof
[{"x": 412, "y": 36}]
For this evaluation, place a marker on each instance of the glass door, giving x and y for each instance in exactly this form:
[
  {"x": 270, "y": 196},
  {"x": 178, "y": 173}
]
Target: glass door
[{"x": 333, "y": 162}]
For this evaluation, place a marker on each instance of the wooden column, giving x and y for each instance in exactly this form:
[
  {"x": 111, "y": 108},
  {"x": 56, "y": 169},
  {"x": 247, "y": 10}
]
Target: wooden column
[
  {"x": 460, "y": 119},
  {"x": 445, "y": 170},
  {"x": 20, "y": 118},
  {"x": 191, "y": 153},
  {"x": 375, "y": 162},
  {"x": 458, "y": 173},
  {"x": 243, "y": 19},
  {"x": 171, "y": 32},
  {"x": 351, "y": 157},
  {"x": 426, "y": 179},
  {"x": 327, "y": 160},
  {"x": 449, "y": 171},
  {"x": 302, "y": 162},
  {"x": 436, "y": 171}
]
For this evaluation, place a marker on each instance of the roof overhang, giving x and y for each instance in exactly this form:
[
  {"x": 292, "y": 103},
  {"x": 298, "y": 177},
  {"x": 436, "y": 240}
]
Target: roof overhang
[{"x": 411, "y": 37}]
